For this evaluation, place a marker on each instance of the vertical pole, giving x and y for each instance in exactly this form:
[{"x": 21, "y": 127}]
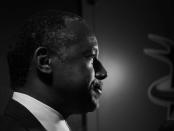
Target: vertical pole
[{"x": 84, "y": 122}]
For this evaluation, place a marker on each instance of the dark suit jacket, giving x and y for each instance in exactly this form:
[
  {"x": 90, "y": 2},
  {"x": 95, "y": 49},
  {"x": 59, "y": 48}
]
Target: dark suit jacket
[{"x": 17, "y": 118}]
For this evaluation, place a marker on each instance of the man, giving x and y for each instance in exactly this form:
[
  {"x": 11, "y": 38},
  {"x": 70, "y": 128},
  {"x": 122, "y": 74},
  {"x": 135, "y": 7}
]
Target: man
[{"x": 55, "y": 72}]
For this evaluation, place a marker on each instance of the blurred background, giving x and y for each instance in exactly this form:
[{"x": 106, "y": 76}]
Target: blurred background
[{"x": 121, "y": 27}]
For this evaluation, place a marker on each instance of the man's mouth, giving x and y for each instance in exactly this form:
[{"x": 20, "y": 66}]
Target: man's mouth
[{"x": 97, "y": 87}]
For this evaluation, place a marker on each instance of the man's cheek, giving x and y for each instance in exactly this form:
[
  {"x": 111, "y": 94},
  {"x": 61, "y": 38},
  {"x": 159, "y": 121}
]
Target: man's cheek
[{"x": 90, "y": 72}]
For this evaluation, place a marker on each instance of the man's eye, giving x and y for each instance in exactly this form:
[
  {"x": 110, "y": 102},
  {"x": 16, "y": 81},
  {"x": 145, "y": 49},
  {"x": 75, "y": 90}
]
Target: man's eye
[{"x": 90, "y": 57}]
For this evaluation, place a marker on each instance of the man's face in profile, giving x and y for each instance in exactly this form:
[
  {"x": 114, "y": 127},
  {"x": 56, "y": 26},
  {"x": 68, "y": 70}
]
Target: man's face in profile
[{"x": 74, "y": 77}]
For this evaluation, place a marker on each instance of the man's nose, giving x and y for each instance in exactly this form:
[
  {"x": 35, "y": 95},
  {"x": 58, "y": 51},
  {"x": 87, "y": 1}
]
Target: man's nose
[{"x": 100, "y": 71}]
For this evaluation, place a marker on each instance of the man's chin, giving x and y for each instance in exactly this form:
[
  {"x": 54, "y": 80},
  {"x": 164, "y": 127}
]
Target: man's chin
[
  {"x": 95, "y": 95},
  {"x": 89, "y": 102},
  {"x": 92, "y": 104}
]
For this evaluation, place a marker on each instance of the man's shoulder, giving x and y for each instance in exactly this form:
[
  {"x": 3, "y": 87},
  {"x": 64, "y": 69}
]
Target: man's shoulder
[
  {"x": 10, "y": 124},
  {"x": 18, "y": 118}
]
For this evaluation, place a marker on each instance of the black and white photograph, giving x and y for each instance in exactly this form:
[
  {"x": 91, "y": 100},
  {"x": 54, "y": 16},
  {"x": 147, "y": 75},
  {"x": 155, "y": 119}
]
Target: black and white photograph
[{"x": 87, "y": 65}]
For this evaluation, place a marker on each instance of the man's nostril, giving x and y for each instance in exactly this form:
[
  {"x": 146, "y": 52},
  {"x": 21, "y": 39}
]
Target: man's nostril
[{"x": 101, "y": 76}]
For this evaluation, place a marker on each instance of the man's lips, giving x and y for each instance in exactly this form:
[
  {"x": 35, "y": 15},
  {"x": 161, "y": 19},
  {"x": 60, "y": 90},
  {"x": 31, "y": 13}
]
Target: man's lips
[{"x": 97, "y": 86}]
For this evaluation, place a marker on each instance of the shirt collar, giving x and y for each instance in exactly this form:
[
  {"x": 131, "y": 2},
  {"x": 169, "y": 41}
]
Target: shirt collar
[{"x": 47, "y": 116}]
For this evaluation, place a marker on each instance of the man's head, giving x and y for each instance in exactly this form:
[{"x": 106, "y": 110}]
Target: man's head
[{"x": 56, "y": 57}]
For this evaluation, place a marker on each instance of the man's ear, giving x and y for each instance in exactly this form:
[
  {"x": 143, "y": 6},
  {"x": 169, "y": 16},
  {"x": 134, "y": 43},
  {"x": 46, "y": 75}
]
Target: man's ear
[{"x": 43, "y": 60}]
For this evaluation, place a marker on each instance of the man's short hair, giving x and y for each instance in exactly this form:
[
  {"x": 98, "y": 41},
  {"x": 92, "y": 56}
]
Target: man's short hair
[{"x": 47, "y": 29}]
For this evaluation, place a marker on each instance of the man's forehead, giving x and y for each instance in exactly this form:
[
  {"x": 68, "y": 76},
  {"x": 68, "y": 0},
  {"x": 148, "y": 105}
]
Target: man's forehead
[
  {"x": 82, "y": 33},
  {"x": 80, "y": 29},
  {"x": 92, "y": 43}
]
